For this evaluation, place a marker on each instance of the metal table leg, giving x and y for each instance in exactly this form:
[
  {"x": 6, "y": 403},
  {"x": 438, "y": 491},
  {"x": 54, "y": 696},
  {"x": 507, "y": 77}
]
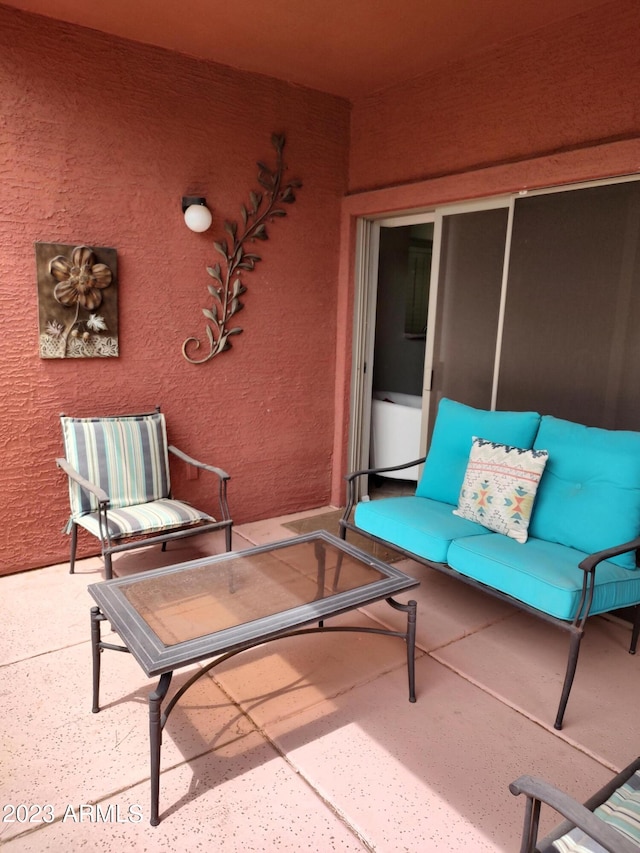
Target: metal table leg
[
  {"x": 158, "y": 718},
  {"x": 96, "y": 649},
  {"x": 155, "y": 742},
  {"x": 96, "y": 619},
  {"x": 410, "y": 608}
]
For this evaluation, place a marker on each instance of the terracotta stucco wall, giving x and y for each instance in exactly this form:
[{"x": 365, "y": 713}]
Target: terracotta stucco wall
[
  {"x": 568, "y": 85},
  {"x": 99, "y": 140},
  {"x": 557, "y": 107}
]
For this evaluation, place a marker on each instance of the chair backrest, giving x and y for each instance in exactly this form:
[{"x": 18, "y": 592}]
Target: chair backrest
[{"x": 126, "y": 456}]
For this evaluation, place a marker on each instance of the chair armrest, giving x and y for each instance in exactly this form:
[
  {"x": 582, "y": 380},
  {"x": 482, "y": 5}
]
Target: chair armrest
[
  {"x": 197, "y": 464},
  {"x": 574, "y": 812},
  {"x": 71, "y": 472},
  {"x": 592, "y": 560}
]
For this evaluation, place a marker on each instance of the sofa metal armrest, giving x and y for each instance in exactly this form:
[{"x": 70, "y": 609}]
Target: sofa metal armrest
[
  {"x": 538, "y": 791},
  {"x": 592, "y": 560},
  {"x": 353, "y": 477},
  {"x": 71, "y": 472},
  {"x": 197, "y": 464},
  {"x": 354, "y": 474}
]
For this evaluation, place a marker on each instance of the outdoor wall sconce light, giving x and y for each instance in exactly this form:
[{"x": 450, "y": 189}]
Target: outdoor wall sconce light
[{"x": 197, "y": 215}]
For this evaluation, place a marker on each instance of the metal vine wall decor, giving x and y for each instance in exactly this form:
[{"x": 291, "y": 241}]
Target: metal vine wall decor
[{"x": 227, "y": 288}]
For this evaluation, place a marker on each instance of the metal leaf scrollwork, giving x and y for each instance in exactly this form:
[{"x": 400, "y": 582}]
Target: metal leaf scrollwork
[{"x": 227, "y": 288}]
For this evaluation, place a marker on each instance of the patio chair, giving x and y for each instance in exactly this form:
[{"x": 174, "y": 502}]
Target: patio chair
[
  {"x": 609, "y": 820},
  {"x": 119, "y": 485}
]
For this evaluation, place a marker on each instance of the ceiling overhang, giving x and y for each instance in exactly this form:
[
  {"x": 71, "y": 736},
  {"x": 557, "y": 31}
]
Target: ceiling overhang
[{"x": 349, "y": 48}]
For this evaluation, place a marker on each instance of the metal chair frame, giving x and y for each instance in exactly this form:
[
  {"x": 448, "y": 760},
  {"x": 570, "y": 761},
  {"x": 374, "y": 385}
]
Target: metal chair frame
[
  {"x": 110, "y": 546},
  {"x": 537, "y": 791}
]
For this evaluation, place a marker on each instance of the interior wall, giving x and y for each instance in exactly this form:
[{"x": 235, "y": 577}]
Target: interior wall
[
  {"x": 398, "y": 361},
  {"x": 100, "y": 139}
]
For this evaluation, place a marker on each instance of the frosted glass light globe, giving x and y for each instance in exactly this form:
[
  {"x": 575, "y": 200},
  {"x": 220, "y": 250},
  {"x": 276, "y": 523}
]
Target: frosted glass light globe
[{"x": 197, "y": 217}]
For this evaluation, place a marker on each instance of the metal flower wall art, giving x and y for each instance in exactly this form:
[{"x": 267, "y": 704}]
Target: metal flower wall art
[
  {"x": 77, "y": 301},
  {"x": 227, "y": 287}
]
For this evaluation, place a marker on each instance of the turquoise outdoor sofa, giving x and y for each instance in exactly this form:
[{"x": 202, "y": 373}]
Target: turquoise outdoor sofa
[{"x": 564, "y": 497}]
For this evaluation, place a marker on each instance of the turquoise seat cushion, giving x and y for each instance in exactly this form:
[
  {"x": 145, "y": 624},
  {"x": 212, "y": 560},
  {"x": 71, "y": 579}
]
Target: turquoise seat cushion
[
  {"x": 153, "y": 517},
  {"x": 542, "y": 574},
  {"x": 419, "y": 525},
  {"x": 589, "y": 494},
  {"x": 453, "y": 432}
]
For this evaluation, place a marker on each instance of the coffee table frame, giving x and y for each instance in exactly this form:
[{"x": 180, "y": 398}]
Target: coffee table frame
[{"x": 155, "y": 658}]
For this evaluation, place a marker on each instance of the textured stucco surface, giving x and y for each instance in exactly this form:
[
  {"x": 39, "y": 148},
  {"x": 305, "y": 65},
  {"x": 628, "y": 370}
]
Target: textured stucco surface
[
  {"x": 100, "y": 138},
  {"x": 556, "y": 107},
  {"x": 566, "y": 86}
]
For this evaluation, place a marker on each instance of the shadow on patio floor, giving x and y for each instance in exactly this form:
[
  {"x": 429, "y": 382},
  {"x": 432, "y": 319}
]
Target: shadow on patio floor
[{"x": 308, "y": 743}]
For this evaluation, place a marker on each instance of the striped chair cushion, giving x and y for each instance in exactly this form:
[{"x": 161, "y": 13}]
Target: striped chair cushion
[
  {"x": 127, "y": 457},
  {"x": 621, "y": 810},
  {"x": 153, "y": 517}
]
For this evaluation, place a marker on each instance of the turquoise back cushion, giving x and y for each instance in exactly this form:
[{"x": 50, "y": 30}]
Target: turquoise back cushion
[
  {"x": 589, "y": 495},
  {"x": 125, "y": 456},
  {"x": 453, "y": 432}
]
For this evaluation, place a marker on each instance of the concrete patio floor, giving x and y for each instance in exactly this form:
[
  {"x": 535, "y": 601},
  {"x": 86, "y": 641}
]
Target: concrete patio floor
[{"x": 308, "y": 743}]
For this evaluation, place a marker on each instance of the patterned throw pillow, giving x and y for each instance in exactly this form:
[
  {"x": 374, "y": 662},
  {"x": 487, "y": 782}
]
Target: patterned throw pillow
[{"x": 500, "y": 486}]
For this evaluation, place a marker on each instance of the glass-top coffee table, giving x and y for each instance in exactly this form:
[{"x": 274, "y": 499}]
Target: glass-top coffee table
[{"x": 219, "y": 606}]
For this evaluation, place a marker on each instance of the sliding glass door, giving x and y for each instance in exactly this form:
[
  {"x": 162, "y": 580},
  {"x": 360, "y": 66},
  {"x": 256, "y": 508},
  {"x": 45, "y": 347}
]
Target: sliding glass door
[
  {"x": 570, "y": 344},
  {"x": 534, "y": 304},
  {"x": 537, "y": 306},
  {"x": 469, "y": 286}
]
